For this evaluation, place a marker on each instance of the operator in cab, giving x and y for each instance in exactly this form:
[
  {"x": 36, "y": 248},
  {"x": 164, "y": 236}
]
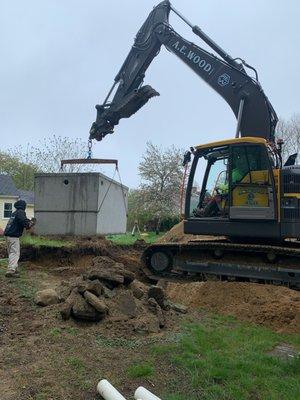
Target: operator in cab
[
  {"x": 216, "y": 204},
  {"x": 13, "y": 231}
]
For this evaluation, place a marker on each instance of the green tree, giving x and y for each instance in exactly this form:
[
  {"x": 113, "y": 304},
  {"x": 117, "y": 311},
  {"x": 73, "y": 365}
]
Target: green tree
[{"x": 21, "y": 172}]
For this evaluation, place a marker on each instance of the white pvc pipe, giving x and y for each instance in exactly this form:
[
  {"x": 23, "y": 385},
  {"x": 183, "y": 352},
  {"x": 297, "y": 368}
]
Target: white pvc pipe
[
  {"x": 143, "y": 394},
  {"x": 108, "y": 392}
]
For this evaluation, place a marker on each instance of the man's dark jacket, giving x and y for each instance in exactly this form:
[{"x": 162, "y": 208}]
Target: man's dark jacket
[{"x": 18, "y": 220}]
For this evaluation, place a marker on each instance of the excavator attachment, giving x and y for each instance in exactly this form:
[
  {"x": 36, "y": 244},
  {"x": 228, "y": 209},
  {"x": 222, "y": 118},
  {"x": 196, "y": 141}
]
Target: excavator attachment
[
  {"x": 130, "y": 96},
  {"x": 107, "y": 118}
]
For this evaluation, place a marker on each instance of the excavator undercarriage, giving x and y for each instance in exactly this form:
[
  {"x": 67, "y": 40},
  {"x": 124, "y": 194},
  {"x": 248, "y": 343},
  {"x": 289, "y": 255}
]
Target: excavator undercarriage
[{"x": 220, "y": 258}]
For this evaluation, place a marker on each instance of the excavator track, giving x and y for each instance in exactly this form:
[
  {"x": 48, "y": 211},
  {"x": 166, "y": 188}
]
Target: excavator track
[{"x": 222, "y": 259}]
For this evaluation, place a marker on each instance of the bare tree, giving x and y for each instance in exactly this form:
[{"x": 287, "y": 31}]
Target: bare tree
[
  {"x": 161, "y": 172},
  {"x": 289, "y": 131},
  {"x": 48, "y": 155}
]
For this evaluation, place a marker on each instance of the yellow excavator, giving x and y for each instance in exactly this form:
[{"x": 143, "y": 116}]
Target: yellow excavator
[{"x": 249, "y": 201}]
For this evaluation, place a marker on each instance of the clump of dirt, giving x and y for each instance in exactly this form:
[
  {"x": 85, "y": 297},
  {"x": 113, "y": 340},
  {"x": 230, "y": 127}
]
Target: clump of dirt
[
  {"x": 176, "y": 235},
  {"x": 275, "y": 307}
]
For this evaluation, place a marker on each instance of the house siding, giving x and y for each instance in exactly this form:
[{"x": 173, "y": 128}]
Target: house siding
[{"x": 12, "y": 199}]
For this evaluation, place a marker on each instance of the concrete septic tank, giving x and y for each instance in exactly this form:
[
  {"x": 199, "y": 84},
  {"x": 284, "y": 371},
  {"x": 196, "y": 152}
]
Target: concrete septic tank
[{"x": 79, "y": 204}]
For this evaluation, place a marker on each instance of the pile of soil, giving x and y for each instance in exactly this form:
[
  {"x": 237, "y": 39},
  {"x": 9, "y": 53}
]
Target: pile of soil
[
  {"x": 276, "y": 307},
  {"x": 176, "y": 235},
  {"x": 109, "y": 291}
]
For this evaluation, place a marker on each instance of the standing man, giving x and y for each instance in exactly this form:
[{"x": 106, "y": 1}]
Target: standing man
[{"x": 13, "y": 231}]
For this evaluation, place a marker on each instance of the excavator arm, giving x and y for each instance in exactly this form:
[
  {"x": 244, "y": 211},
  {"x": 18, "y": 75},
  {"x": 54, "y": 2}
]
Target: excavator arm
[{"x": 254, "y": 112}]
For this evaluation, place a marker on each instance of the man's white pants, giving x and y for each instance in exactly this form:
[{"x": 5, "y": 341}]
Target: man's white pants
[{"x": 13, "y": 249}]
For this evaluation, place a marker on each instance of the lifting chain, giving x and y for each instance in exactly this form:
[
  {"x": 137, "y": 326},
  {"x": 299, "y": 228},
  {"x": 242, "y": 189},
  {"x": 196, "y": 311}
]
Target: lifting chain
[{"x": 90, "y": 145}]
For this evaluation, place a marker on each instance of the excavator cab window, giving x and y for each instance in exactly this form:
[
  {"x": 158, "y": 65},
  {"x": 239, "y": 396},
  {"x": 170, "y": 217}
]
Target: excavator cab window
[
  {"x": 211, "y": 199},
  {"x": 252, "y": 191},
  {"x": 237, "y": 183}
]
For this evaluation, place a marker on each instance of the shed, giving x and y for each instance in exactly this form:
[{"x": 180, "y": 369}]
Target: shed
[{"x": 79, "y": 204}]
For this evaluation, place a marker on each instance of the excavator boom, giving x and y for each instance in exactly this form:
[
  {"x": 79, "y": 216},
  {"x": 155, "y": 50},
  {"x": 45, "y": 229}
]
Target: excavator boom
[{"x": 254, "y": 112}]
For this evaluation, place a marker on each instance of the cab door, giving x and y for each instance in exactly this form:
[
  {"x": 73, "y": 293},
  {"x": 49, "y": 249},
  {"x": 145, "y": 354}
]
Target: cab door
[{"x": 252, "y": 191}]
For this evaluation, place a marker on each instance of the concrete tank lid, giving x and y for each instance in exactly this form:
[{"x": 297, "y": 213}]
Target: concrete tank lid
[{"x": 64, "y": 174}]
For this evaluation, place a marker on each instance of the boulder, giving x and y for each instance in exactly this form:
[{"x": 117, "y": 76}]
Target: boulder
[
  {"x": 127, "y": 304},
  {"x": 46, "y": 297},
  {"x": 66, "y": 308},
  {"x": 159, "y": 295},
  {"x": 95, "y": 287},
  {"x": 108, "y": 293},
  {"x": 139, "y": 289},
  {"x": 82, "y": 310},
  {"x": 63, "y": 290},
  {"x": 105, "y": 263},
  {"x": 157, "y": 310},
  {"x": 109, "y": 277},
  {"x": 97, "y": 303}
]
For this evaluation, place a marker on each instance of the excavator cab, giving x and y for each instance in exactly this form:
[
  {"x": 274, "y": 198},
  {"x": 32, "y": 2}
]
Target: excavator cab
[{"x": 240, "y": 193}]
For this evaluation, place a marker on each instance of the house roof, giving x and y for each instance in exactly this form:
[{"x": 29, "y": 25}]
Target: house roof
[
  {"x": 27, "y": 196},
  {"x": 8, "y": 188}
]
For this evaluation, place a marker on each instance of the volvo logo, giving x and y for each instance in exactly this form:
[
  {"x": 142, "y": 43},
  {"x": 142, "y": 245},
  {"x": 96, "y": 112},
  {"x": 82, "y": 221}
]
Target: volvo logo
[{"x": 224, "y": 80}]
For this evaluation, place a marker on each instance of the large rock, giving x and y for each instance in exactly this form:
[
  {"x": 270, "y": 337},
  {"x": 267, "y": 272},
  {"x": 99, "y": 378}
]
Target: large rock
[
  {"x": 105, "y": 263},
  {"x": 127, "y": 305},
  {"x": 139, "y": 289},
  {"x": 95, "y": 287},
  {"x": 109, "y": 277},
  {"x": 63, "y": 290},
  {"x": 66, "y": 308},
  {"x": 46, "y": 297},
  {"x": 97, "y": 303},
  {"x": 159, "y": 295},
  {"x": 157, "y": 310},
  {"x": 84, "y": 311}
]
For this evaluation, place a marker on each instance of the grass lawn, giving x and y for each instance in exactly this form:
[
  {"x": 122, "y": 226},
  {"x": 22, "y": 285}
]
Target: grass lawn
[
  {"x": 128, "y": 239},
  {"x": 39, "y": 241},
  {"x": 222, "y": 359}
]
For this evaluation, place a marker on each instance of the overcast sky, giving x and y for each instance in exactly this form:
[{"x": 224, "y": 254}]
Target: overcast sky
[{"x": 59, "y": 58}]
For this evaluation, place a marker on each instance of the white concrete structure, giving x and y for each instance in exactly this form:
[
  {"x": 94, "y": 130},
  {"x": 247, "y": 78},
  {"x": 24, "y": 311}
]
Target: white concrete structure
[{"x": 79, "y": 204}]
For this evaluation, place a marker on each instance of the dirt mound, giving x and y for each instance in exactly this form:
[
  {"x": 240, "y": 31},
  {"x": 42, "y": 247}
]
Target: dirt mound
[
  {"x": 176, "y": 235},
  {"x": 275, "y": 307},
  {"x": 108, "y": 290}
]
